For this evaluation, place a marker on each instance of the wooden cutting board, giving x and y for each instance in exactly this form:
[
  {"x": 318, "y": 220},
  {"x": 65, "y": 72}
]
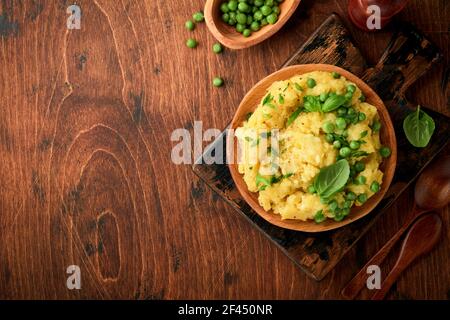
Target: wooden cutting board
[{"x": 408, "y": 56}]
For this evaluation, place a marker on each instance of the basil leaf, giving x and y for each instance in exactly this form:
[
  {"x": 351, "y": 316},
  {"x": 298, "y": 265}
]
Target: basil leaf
[
  {"x": 418, "y": 127},
  {"x": 294, "y": 116},
  {"x": 333, "y": 102},
  {"x": 331, "y": 179},
  {"x": 311, "y": 103},
  {"x": 261, "y": 182}
]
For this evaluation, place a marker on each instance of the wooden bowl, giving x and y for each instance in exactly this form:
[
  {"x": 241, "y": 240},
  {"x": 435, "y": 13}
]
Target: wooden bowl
[
  {"x": 249, "y": 104},
  {"x": 229, "y": 37}
]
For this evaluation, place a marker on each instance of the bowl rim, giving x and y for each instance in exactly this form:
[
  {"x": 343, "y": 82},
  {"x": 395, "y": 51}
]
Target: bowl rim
[
  {"x": 389, "y": 139},
  {"x": 256, "y": 38}
]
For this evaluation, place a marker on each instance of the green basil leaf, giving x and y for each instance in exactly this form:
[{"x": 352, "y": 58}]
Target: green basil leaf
[
  {"x": 418, "y": 127},
  {"x": 333, "y": 102},
  {"x": 311, "y": 103},
  {"x": 261, "y": 182},
  {"x": 331, "y": 179},
  {"x": 294, "y": 116}
]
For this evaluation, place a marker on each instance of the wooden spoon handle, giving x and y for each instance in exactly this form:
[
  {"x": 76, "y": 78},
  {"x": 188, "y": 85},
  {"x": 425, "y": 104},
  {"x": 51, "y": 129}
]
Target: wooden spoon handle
[
  {"x": 389, "y": 281},
  {"x": 358, "y": 282}
]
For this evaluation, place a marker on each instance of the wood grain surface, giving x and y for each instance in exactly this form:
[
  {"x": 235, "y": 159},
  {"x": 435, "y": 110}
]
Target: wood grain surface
[{"x": 86, "y": 178}]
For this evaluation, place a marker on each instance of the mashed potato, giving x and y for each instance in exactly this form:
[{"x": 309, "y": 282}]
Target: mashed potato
[{"x": 286, "y": 142}]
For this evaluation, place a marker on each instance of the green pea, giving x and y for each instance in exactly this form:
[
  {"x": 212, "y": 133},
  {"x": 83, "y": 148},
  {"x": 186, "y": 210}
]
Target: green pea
[
  {"x": 341, "y": 123},
  {"x": 264, "y": 22},
  {"x": 241, "y": 18},
  {"x": 351, "y": 196},
  {"x": 269, "y": 3},
  {"x": 217, "y": 48},
  {"x": 347, "y": 204},
  {"x": 375, "y": 186},
  {"x": 328, "y": 127},
  {"x": 217, "y": 82},
  {"x": 338, "y": 216},
  {"x": 385, "y": 151},
  {"x": 240, "y": 27},
  {"x": 376, "y": 126},
  {"x": 335, "y": 75},
  {"x": 189, "y": 25},
  {"x": 351, "y": 111},
  {"x": 255, "y": 26},
  {"x": 224, "y": 8},
  {"x": 258, "y": 16},
  {"x": 276, "y": 10},
  {"x": 191, "y": 43},
  {"x": 249, "y": 20},
  {"x": 232, "y": 21},
  {"x": 247, "y": 33},
  {"x": 225, "y": 17},
  {"x": 354, "y": 144},
  {"x": 345, "y": 152},
  {"x": 232, "y": 5},
  {"x": 345, "y": 211},
  {"x": 362, "y": 98},
  {"x": 362, "y": 198},
  {"x": 198, "y": 16},
  {"x": 348, "y": 95},
  {"x": 337, "y": 144},
  {"x": 319, "y": 216},
  {"x": 361, "y": 116},
  {"x": 351, "y": 88},
  {"x": 311, "y": 83},
  {"x": 232, "y": 15},
  {"x": 323, "y": 96},
  {"x": 329, "y": 137},
  {"x": 258, "y": 3},
  {"x": 266, "y": 10},
  {"x": 345, "y": 133},
  {"x": 333, "y": 205},
  {"x": 360, "y": 166},
  {"x": 342, "y": 111},
  {"x": 272, "y": 18},
  {"x": 311, "y": 189},
  {"x": 360, "y": 180},
  {"x": 244, "y": 7},
  {"x": 254, "y": 9}
]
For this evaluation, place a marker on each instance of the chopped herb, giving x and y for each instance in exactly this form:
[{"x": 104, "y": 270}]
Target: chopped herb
[
  {"x": 271, "y": 106},
  {"x": 363, "y": 134},
  {"x": 248, "y": 115},
  {"x": 256, "y": 142},
  {"x": 298, "y": 87},
  {"x": 267, "y": 99},
  {"x": 359, "y": 153},
  {"x": 280, "y": 98},
  {"x": 294, "y": 115},
  {"x": 287, "y": 86},
  {"x": 248, "y": 139}
]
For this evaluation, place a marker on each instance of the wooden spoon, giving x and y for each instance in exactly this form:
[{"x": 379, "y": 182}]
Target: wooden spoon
[
  {"x": 229, "y": 37},
  {"x": 432, "y": 191},
  {"x": 420, "y": 239}
]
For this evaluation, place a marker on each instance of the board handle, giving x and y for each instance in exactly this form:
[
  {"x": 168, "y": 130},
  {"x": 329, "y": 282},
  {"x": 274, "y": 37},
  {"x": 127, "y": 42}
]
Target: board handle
[{"x": 407, "y": 57}]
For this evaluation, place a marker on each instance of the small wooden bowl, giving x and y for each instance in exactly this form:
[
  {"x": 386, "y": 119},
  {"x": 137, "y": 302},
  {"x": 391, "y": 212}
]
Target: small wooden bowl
[
  {"x": 387, "y": 138},
  {"x": 229, "y": 37}
]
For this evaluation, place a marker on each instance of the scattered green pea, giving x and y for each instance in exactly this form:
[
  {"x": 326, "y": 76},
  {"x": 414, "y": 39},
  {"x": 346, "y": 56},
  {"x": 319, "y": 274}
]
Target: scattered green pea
[
  {"x": 319, "y": 217},
  {"x": 342, "y": 111},
  {"x": 351, "y": 196},
  {"x": 376, "y": 126},
  {"x": 329, "y": 137},
  {"x": 332, "y": 205},
  {"x": 337, "y": 144},
  {"x": 361, "y": 116},
  {"x": 351, "y": 88},
  {"x": 189, "y": 25},
  {"x": 335, "y": 75},
  {"x": 255, "y": 26},
  {"x": 354, "y": 144},
  {"x": 323, "y": 96},
  {"x": 341, "y": 123},
  {"x": 217, "y": 82},
  {"x": 345, "y": 152},
  {"x": 217, "y": 48},
  {"x": 328, "y": 127},
  {"x": 360, "y": 180},
  {"x": 385, "y": 151},
  {"x": 311, "y": 83},
  {"x": 191, "y": 43},
  {"x": 362, "y": 198},
  {"x": 362, "y": 98},
  {"x": 360, "y": 166},
  {"x": 272, "y": 18},
  {"x": 246, "y": 33},
  {"x": 345, "y": 211},
  {"x": 338, "y": 216},
  {"x": 198, "y": 16},
  {"x": 375, "y": 186}
]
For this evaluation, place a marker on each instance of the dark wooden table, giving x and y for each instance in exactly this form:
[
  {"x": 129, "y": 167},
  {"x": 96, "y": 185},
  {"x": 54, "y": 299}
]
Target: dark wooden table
[{"x": 85, "y": 173}]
